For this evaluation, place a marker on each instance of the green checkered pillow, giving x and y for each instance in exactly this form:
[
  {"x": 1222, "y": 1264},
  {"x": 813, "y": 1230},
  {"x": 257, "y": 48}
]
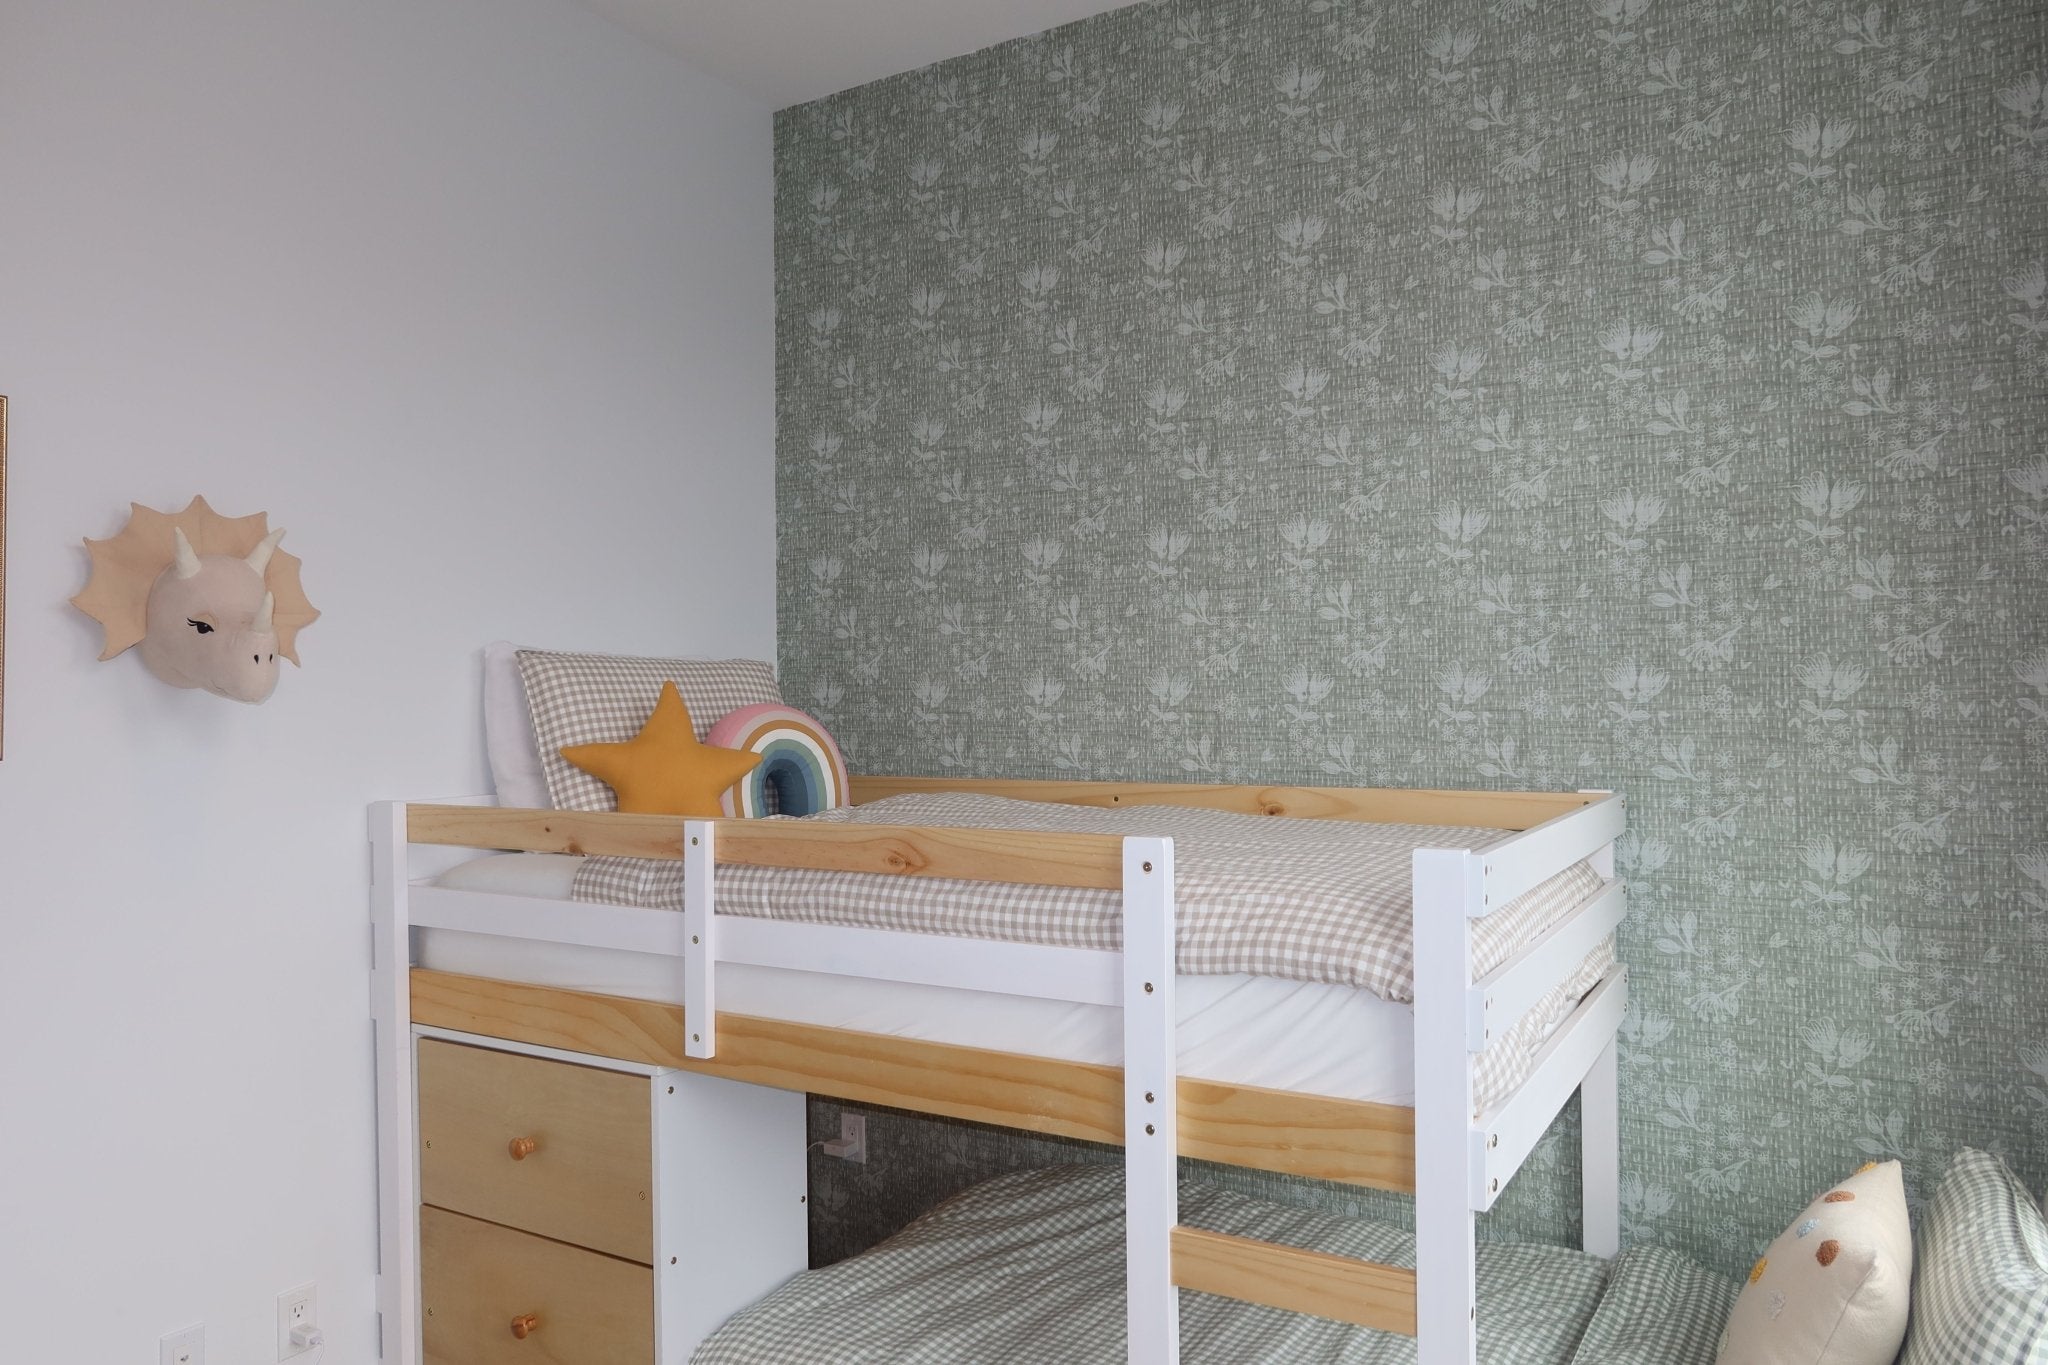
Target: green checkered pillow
[{"x": 1980, "y": 1288}]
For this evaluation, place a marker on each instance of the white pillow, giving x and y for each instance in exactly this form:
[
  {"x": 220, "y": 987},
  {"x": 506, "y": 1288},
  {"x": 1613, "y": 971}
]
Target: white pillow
[
  {"x": 1834, "y": 1289},
  {"x": 508, "y": 731}
]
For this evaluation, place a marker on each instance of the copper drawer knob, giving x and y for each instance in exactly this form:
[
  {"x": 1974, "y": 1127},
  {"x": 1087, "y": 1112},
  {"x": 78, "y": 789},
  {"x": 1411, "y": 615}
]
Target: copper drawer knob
[
  {"x": 522, "y": 1148},
  {"x": 525, "y": 1325}
]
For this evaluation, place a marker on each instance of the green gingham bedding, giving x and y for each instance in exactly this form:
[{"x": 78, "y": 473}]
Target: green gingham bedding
[
  {"x": 1029, "y": 1268},
  {"x": 1307, "y": 900},
  {"x": 1980, "y": 1274},
  {"x": 1659, "y": 1309}
]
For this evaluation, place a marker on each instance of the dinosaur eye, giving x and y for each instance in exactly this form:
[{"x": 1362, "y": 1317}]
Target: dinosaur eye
[{"x": 200, "y": 626}]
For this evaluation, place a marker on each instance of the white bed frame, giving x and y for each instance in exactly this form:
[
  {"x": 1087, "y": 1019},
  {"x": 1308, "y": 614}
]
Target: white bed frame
[{"x": 1461, "y": 1164}]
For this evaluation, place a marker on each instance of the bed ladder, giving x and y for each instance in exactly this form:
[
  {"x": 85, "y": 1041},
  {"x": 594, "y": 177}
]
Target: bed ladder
[
  {"x": 1163, "y": 1256},
  {"x": 1461, "y": 1164}
]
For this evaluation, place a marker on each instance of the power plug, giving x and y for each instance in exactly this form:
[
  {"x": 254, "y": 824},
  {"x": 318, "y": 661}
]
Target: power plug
[
  {"x": 297, "y": 1318},
  {"x": 852, "y": 1144}
]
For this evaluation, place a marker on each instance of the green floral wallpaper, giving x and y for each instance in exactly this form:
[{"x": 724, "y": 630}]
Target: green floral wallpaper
[{"x": 1648, "y": 394}]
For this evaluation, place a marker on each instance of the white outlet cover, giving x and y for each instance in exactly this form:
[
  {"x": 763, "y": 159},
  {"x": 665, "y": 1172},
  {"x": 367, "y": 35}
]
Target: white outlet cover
[
  {"x": 296, "y": 1307},
  {"x": 186, "y": 1346}
]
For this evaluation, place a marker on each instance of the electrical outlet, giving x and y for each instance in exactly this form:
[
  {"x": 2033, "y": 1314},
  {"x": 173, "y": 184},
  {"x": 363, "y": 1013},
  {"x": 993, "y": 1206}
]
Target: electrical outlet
[
  {"x": 853, "y": 1139},
  {"x": 295, "y": 1308},
  {"x": 186, "y": 1346}
]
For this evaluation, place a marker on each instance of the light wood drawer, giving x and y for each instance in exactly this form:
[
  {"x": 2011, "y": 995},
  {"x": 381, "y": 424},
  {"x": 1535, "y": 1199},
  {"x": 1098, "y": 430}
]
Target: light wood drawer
[
  {"x": 577, "y": 1307},
  {"x": 588, "y": 1176}
]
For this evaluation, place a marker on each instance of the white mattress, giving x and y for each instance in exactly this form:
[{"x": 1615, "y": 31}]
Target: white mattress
[{"x": 1313, "y": 1038}]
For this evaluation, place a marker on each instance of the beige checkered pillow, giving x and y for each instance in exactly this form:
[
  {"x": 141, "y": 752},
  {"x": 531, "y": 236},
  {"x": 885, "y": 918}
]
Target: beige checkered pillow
[{"x": 606, "y": 698}]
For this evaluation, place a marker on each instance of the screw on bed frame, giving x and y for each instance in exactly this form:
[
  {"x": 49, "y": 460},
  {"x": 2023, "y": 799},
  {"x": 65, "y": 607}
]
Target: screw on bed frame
[
  {"x": 1148, "y": 988},
  {"x": 1149, "y": 1130},
  {"x": 696, "y": 1037},
  {"x": 1148, "y": 867},
  {"x": 1148, "y": 1097},
  {"x": 693, "y": 940}
]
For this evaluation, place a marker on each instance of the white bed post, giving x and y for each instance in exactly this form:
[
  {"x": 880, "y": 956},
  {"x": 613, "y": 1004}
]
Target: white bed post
[
  {"x": 700, "y": 958},
  {"x": 1600, "y": 1153},
  {"x": 1151, "y": 1104},
  {"x": 1600, "y": 1126},
  {"x": 398, "y": 1248},
  {"x": 1449, "y": 892}
]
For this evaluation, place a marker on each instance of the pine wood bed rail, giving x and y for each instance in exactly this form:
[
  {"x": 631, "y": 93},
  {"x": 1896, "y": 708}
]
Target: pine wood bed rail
[
  {"x": 1366, "y": 805},
  {"x": 1000, "y": 855},
  {"x": 1045, "y": 858},
  {"x": 1354, "y": 1142}
]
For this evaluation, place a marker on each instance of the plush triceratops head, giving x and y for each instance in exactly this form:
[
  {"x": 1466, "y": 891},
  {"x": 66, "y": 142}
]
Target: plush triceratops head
[
  {"x": 210, "y": 599},
  {"x": 211, "y": 622}
]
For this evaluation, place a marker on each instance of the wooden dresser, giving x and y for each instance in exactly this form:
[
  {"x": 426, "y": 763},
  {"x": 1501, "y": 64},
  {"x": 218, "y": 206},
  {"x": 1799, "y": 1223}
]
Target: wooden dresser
[{"x": 576, "y": 1210}]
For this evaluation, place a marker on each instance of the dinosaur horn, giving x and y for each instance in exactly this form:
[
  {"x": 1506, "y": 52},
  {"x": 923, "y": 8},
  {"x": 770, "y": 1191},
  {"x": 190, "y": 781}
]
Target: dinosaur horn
[
  {"x": 186, "y": 564},
  {"x": 259, "y": 558},
  {"x": 265, "y": 615}
]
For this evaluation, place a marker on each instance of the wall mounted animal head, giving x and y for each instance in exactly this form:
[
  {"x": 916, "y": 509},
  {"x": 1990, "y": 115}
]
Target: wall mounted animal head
[{"x": 212, "y": 601}]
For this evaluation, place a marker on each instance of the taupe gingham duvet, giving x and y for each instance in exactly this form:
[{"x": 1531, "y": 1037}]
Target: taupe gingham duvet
[
  {"x": 1308, "y": 900},
  {"x": 1028, "y": 1269}
]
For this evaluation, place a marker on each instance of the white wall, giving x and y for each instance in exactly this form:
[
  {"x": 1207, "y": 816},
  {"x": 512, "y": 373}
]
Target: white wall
[{"x": 475, "y": 297}]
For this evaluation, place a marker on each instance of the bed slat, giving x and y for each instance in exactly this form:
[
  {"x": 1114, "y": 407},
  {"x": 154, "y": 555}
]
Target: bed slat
[
  {"x": 1363, "y": 1293},
  {"x": 1504, "y": 1136},
  {"x": 1532, "y": 857},
  {"x": 1497, "y": 1001}
]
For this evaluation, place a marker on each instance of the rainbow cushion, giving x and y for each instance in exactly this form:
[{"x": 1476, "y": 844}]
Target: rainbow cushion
[{"x": 799, "y": 760}]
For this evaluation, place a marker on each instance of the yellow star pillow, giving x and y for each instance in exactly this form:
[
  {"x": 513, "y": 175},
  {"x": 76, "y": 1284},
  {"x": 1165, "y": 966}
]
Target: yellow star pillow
[{"x": 664, "y": 770}]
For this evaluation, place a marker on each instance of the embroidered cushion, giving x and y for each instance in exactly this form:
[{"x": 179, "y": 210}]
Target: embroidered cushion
[
  {"x": 1980, "y": 1295},
  {"x": 1835, "y": 1287},
  {"x": 606, "y": 698}
]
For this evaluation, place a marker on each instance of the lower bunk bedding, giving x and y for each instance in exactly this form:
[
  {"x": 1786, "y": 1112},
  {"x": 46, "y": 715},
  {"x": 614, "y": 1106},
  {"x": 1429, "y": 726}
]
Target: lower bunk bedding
[{"x": 1030, "y": 1268}]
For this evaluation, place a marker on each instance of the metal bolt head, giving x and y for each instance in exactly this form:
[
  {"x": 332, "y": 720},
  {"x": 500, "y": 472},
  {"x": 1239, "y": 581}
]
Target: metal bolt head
[
  {"x": 1148, "y": 867},
  {"x": 1148, "y": 1098},
  {"x": 1150, "y": 1130},
  {"x": 696, "y": 1037},
  {"x": 693, "y": 841},
  {"x": 695, "y": 940}
]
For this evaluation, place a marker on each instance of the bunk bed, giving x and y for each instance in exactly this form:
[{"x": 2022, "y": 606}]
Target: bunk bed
[{"x": 1452, "y": 1146}]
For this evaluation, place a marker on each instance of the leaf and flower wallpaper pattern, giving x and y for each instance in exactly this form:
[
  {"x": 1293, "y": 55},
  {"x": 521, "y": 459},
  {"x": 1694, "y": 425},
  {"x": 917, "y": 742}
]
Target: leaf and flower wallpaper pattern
[{"x": 1647, "y": 394}]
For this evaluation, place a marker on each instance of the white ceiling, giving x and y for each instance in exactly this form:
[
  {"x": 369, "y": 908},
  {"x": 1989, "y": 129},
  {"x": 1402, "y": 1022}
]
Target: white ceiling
[{"x": 788, "y": 51}]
